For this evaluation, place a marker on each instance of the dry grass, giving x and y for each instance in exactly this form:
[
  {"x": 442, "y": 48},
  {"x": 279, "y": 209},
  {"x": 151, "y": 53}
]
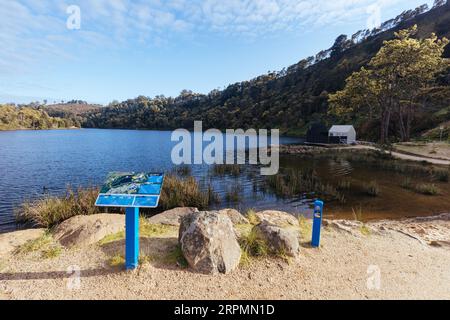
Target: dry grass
[
  {"x": 183, "y": 192},
  {"x": 49, "y": 211},
  {"x": 252, "y": 217},
  {"x": 45, "y": 244},
  {"x": 305, "y": 227}
]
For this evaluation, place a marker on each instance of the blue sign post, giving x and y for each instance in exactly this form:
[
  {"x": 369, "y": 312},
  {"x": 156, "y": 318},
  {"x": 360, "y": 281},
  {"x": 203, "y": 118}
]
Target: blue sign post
[
  {"x": 317, "y": 224},
  {"x": 131, "y": 191},
  {"x": 131, "y": 238}
]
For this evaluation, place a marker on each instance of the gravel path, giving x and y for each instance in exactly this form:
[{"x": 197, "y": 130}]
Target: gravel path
[
  {"x": 342, "y": 269},
  {"x": 403, "y": 156}
]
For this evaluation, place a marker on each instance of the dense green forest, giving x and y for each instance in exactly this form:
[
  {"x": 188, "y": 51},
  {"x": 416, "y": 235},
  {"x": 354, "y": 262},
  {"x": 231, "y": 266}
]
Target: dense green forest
[
  {"x": 13, "y": 118},
  {"x": 295, "y": 97}
]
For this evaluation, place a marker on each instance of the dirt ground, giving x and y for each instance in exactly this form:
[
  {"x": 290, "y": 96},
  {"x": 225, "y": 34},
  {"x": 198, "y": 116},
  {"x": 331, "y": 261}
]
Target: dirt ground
[
  {"x": 353, "y": 263},
  {"x": 438, "y": 150}
]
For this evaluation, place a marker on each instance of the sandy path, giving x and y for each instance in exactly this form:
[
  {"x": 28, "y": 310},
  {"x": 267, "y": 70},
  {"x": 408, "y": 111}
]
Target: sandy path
[
  {"x": 409, "y": 270},
  {"x": 403, "y": 156}
]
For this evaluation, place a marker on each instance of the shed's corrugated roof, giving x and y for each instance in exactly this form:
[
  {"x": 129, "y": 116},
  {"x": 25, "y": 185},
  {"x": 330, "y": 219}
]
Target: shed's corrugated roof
[{"x": 341, "y": 128}]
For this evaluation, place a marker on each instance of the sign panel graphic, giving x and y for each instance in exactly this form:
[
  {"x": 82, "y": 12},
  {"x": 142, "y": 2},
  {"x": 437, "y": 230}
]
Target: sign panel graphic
[{"x": 131, "y": 190}]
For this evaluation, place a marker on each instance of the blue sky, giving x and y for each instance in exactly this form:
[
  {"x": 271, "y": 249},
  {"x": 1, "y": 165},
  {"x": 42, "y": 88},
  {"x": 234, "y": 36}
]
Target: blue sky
[{"x": 126, "y": 48}]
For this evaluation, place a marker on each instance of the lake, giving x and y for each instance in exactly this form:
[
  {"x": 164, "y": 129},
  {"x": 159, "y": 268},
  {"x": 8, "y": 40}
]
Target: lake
[{"x": 35, "y": 163}]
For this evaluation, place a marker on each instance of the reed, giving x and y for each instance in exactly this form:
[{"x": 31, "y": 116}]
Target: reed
[{"x": 50, "y": 210}]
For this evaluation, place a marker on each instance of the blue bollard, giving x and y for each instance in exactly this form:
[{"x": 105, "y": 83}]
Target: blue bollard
[
  {"x": 131, "y": 238},
  {"x": 317, "y": 224}
]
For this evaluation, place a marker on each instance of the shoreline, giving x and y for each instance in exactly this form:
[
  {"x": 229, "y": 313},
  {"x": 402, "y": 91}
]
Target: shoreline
[{"x": 412, "y": 257}]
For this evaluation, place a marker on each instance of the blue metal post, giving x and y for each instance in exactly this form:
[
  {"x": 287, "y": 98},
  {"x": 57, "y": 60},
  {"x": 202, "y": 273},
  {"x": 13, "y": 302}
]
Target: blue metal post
[
  {"x": 317, "y": 224},
  {"x": 131, "y": 238}
]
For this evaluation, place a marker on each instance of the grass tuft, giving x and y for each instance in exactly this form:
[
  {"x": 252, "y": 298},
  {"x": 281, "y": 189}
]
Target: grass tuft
[
  {"x": 305, "y": 227},
  {"x": 49, "y": 211},
  {"x": 117, "y": 261},
  {"x": 183, "y": 192},
  {"x": 428, "y": 189},
  {"x": 253, "y": 245},
  {"x": 252, "y": 217},
  {"x": 372, "y": 189},
  {"x": 112, "y": 238},
  {"x": 176, "y": 257},
  {"x": 44, "y": 244}
]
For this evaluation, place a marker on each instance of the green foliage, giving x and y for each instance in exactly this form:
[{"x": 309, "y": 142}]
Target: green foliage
[{"x": 390, "y": 86}]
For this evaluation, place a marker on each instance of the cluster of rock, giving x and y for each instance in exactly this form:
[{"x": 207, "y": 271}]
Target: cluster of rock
[
  {"x": 210, "y": 243},
  {"x": 209, "y": 240}
]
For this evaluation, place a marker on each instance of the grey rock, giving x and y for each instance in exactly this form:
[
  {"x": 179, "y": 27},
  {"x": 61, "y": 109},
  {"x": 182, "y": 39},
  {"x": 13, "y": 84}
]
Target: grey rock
[
  {"x": 235, "y": 216},
  {"x": 277, "y": 218},
  {"x": 280, "y": 239},
  {"x": 172, "y": 217},
  {"x": 208, "y": 242}
]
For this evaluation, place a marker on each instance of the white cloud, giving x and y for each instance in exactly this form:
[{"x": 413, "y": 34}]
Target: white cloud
[{"x": 33, "y": 29}]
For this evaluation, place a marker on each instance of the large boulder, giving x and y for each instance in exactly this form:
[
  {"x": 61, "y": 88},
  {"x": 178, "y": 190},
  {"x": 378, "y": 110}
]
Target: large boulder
[
  {"x": 277, "y": 218},
  {"x": 81, "y": 231},
  {"x": 285, "y": 240},
  {"x": 172, "y": 217},
  {"x": 208, "y": 242},
  {"x": 12, "y": 240},
  {"x": 235, "y": 216}
]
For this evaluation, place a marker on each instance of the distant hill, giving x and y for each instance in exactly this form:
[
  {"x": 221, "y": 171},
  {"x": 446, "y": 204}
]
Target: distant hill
[
  {"x": 292, "y": 98},
  {"x": 77, "y": 109},
  {"x": 16, "y": 118}
]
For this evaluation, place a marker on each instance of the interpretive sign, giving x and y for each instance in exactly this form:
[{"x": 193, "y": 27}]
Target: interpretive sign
[{"x": 131, "y": 191}]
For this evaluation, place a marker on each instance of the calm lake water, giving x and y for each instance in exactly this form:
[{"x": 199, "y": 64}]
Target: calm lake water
[{"x": 34, "y": 163}]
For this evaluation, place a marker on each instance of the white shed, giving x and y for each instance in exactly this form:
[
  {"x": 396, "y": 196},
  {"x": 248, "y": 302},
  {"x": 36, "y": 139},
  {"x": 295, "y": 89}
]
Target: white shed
[{"x": 342, "y": 134}]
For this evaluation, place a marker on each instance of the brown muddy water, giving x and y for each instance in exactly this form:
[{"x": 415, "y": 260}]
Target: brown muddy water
[
  {"x": 349, "y": 179},
  {"x": 393, "y": 200}
]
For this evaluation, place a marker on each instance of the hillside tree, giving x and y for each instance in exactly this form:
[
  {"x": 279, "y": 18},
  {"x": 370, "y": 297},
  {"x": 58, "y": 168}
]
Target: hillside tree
[{"x": 389, "y": 87}]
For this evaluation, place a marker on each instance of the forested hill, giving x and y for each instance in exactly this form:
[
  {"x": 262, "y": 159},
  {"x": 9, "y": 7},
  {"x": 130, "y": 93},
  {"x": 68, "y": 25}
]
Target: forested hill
[{"x": 290, "y": 99}]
